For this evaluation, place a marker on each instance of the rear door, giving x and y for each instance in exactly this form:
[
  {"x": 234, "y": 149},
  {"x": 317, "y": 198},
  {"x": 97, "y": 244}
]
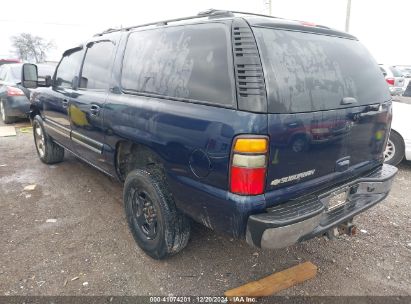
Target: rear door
[
  {"x": 329, "y": 107},
  {"x": 87, "y": 102},
  {"x": 56, "y": 100}
]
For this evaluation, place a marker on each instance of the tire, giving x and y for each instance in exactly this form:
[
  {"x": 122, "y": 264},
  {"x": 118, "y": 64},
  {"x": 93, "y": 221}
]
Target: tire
[
  {"x": 47, "y": 150},
  {"x": 3, "y": 114},
  {"x": 395, "y": 149},
  {"x": 160, "y": 230}
]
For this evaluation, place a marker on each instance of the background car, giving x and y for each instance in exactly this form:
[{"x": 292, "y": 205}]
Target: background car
[
  {"x": 399, "y": 142},
  {"x": 405, "y": 69},
  {"x": 8, "y": 61},
  {"x": 394, "y": 79},
  {"x": 14, "y": 98}
]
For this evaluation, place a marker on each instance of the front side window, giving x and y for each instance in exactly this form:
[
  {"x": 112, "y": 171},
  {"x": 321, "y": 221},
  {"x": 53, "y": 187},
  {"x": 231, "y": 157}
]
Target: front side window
[
  {"x": 190, "y": 62},
  {"x": 96, "y": 67},
  {"x": 69, "y": 69}
]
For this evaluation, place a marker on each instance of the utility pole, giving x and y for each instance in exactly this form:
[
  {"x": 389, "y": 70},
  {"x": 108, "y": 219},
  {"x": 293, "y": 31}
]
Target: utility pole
[
  {"x": 347, "y": 18},
  {"x": 268, "y": 3}
]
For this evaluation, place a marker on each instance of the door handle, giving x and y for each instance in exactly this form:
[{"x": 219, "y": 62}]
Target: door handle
[
  {"x": 94, "y": 110},
  {"x": 65, "y": 103}
]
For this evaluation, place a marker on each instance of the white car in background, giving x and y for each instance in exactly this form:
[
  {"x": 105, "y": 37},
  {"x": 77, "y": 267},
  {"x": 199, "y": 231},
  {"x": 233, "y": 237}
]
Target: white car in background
[
  {"x": 394, "y": 79},
  {"x": 399, "y": 143}
]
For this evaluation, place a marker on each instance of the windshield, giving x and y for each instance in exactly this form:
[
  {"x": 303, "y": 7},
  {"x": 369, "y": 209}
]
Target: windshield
[{"x": 310, "y": 72}]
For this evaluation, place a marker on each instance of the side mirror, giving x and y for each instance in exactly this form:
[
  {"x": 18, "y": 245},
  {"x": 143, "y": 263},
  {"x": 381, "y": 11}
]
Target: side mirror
[{"x": 29, "y": 76}]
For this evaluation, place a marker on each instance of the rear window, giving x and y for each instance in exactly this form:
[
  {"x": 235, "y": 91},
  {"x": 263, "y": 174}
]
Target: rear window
[
  {"x": 396, "y": 72},
  {"x": 310, "y": 72},
  {"x": 190, "y": 62},
  {"x": 14, "y": 73}
]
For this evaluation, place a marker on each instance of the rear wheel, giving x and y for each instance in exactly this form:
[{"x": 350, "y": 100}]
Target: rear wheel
[
  {"x": 3, "y": 113},
  {"x": 48, "y": 151},
  {"x": 395, "y": 149},
  {"x": 158, "y": 227}
]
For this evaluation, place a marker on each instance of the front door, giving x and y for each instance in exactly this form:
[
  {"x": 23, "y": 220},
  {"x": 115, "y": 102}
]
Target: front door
[
  {"x": 87, "y": 102},
  {"x": 56, "y": 100}
]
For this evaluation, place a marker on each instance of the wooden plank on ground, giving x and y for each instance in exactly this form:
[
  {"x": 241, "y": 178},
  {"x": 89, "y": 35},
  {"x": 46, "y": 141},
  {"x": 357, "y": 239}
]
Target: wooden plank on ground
[
  {"x": 276, "y": 282},
  {"x": 7, "y": 131}
]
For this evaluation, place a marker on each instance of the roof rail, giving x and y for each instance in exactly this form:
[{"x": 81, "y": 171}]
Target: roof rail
[{"x": 210, "y": 13}]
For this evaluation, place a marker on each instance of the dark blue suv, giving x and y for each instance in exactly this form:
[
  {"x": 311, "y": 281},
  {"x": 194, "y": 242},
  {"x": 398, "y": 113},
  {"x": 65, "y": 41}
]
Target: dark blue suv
[{"x": 267, "y": 129}]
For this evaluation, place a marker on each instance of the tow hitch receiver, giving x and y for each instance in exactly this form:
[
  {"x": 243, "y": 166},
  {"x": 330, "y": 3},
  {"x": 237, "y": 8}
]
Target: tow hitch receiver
[{"x": 347, "y": 228}]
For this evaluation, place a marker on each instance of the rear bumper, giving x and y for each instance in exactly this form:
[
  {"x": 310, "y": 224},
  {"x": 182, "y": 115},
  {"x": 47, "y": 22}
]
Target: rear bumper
[
  {"x": 396, "y": 90},
  {"x": 302, "y": 219},
  {"x": 18, "y": 106}
]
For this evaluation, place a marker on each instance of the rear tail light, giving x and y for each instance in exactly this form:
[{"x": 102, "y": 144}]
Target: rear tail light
[
  {"x": 12, "y": 91},
  {"x": 249, "y": 165},
  {"x": 390, "y": 81}
]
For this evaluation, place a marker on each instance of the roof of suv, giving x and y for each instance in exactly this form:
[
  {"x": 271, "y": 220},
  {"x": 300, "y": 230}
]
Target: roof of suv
[{"x": 251, "y": 18}]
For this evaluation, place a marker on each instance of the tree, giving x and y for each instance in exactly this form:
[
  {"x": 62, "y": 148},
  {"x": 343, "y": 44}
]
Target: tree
[{"x": 31, "y": 48}]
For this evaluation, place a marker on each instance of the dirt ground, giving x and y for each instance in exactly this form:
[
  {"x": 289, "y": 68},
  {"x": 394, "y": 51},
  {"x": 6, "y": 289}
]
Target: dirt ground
[{"x": 69, "y": 236}]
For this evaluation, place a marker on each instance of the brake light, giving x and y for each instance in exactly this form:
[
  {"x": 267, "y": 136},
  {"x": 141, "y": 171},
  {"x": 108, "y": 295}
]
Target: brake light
[
  {"x": 249, "y": 165},
  {"x": 390, "y": 81},
  {"x": 12, "y": 91},
  {"x": 306, "y": 23}
]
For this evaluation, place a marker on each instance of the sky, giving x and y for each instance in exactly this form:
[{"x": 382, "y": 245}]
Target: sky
[{"x": 380, "y": 25}]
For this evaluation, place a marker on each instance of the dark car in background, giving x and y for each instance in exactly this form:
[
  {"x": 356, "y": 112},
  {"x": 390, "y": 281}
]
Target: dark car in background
[
  {"x": 14, "y": 98},
  {"x": 197, "y": 117}
]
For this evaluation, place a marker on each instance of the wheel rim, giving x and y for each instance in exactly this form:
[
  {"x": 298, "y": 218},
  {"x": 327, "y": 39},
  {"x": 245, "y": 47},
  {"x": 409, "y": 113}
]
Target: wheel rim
[
  {"x": 144, "y": 214},
  {"x": 39, "y": 139},
  {"x": 389, "y": 151},
  {"x": 3, "y": 114}
]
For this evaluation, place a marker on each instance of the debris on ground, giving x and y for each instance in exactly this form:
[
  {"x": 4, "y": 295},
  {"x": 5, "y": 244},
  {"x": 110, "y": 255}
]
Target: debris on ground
[
  {"x": 85, "y": 284},
  {"x": 364, "y": 231},
  {"x": 30, "y": 187},
  {"x": 75, "y": 278},
  {"x": 275, "y": 282},
  {"x": 26, "y": 129},
  {"x": 51, "y": 220},
  {"x": 7, "y": 131}
]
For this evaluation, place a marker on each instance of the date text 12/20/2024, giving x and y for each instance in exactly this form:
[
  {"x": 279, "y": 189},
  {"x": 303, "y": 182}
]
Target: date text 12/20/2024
[{"x": 202, "y": 299}]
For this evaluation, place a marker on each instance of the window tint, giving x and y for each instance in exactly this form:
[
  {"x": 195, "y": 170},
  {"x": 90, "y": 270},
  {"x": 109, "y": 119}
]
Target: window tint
[
  {"x": 190, "y": 62},
  {"x": 310, "y": 72},
  {"x": 96, "y": 68},
  {"x": 68, "y": 69}
]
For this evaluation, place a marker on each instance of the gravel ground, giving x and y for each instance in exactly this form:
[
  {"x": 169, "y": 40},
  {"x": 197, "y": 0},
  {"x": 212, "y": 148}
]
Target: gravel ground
[{"x": 89, "y": 250}]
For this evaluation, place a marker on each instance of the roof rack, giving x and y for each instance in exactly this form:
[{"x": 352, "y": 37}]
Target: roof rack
[{"x": 210, "y": 13}]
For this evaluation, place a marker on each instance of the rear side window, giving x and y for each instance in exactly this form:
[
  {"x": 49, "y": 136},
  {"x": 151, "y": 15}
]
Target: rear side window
[
  {"x": 310, "y": 72},
  {"x": 69, "y": 69},
  {"x": 189, "y": 62},
  {"x": 96, "y": 67}
]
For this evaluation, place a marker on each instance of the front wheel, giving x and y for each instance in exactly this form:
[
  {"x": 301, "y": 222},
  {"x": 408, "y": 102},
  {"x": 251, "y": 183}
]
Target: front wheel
[
  {"x": 158, "y": 227},
  {"x": 47, "y": 150},
  {"x": 395, "y": 149}
]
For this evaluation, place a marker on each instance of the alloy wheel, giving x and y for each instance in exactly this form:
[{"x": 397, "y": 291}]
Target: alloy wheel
[
  {"x": 389, "y": 151},
  {"x": 39, "y": 139}
]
